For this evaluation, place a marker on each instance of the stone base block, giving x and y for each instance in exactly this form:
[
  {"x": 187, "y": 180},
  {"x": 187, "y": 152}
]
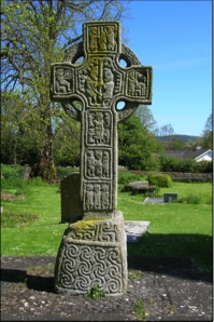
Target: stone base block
[{"x": 93, "y": 252}]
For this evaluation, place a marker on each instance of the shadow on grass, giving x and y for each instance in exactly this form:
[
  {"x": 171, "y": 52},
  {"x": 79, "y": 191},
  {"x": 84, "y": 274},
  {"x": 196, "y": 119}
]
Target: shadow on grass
[{"x": 184, "y": 255}]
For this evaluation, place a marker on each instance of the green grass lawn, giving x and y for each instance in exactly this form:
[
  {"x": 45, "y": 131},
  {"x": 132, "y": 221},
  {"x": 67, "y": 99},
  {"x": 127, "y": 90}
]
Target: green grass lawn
[{"x": 31, "y": 226}]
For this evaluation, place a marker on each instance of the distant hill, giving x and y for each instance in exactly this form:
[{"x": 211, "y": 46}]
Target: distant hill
[{"x": 183, "y": 137}]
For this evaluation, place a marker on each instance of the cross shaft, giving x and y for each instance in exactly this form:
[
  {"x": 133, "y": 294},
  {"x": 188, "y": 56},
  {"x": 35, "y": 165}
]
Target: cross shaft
[{"x": 99, "y": 83}]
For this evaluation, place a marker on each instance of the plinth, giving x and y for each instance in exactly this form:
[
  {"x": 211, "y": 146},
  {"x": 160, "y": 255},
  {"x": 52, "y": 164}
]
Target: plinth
[{"x": 93, "y": 252}]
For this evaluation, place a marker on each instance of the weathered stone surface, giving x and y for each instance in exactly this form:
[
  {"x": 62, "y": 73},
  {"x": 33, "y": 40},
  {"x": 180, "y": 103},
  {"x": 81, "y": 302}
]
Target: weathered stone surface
[
  {"x": 71, "y": 210},
  {"x": 139, "y": 186},
  {"x": 93, "y": 252},
  {"x": 98, "y": 84}
]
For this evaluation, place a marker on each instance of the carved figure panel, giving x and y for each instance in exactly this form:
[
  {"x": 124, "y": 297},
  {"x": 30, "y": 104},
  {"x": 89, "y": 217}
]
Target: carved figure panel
[
  {"x": 99, "y": 82},
  {"x": 62, "y": 80},
  {"x": 97, "y": 164},
  {"x": 102, "y": 38},
  {"x": 97, "y": 196},
  {"x": 99, "y": 128},
  {"x": 138, "y": 83}
]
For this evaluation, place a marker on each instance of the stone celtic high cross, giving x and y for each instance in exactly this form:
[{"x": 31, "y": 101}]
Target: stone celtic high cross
[
  {"x": 93, "y": 250},
  {"x": 99, "y": 83}
]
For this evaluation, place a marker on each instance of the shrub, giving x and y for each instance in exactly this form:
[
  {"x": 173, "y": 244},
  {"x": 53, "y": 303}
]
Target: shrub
[
  {"x": 126, "y": 177},
  {"x": 37, "y": 182},
  {"x": 11, "y": 171},
  {"x": 168, "y": 164},
  {"x": 62, "y": 172},
  {"x": 160, "y": 180},
  {"x": 190, "y": 199},
  {"x": 16, "y": 186},
  {"x": 193, "y": 199},
  {"x": 204, "y": 166}
]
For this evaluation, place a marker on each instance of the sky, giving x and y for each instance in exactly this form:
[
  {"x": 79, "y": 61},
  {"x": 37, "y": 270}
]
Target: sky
[{"x": 175, "y": 38}]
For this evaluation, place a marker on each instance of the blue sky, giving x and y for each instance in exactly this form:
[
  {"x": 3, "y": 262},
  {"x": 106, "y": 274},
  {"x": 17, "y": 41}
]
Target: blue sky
[{"x": 175, "y": 38}]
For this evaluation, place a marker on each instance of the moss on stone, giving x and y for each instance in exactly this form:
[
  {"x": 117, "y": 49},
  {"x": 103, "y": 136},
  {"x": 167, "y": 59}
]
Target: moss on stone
[{"x": 83, "y": 224}]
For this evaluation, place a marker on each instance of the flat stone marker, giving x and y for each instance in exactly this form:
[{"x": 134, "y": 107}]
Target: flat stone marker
[
  {"x": 135, "y": 229},
  {"x": 93, "y": 250},
  {"x": 139, "y": 187},
  {"x": 154, "y": 200}
]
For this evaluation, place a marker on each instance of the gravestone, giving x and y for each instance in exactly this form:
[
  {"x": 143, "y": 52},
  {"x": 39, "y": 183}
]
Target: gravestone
[
  {"x": 93, "y": 250},
  {"x": 26, "y": 172},
  {"x": 70, "y": 199},
  {"x": 169, "y": 197}
]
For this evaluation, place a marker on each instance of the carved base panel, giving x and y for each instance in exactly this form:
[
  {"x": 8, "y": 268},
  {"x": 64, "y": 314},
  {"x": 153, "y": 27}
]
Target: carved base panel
[{"x": 93, "y": 252}]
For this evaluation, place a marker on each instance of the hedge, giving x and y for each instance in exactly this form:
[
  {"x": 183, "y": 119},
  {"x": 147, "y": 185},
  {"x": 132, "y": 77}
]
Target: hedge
[{"x": 160, "y": 180}]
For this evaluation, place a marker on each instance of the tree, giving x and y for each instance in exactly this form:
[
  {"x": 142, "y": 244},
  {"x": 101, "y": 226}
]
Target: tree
[
  {"x": 136, "y": 145},
  {"x": 34, "y": 35},
  {"x": 146, "y": 118},
  {"x": 166, "y": 131},
  {"x": 67, "y": 143},
  {"x": 18, "y": 143},
  {"x": 207, "y": 138}
]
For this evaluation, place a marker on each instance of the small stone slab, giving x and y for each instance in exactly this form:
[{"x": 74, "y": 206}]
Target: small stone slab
[
  {"x": 135, "y": 229},
  {"x": 154, "y": 200},
  {"x": 139, "y": 186}
]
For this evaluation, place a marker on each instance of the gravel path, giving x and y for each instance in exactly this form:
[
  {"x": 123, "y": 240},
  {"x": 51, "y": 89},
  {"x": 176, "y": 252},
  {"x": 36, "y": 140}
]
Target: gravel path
[{"x": 159, "y": 289}]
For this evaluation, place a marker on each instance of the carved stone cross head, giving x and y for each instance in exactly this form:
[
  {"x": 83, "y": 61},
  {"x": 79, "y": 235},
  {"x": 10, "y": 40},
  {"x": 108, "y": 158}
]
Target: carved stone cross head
[{"x": 99, "y": 83}]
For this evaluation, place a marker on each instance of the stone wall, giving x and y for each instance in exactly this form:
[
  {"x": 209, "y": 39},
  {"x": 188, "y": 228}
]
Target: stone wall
[{"x": 182, "y": 176}]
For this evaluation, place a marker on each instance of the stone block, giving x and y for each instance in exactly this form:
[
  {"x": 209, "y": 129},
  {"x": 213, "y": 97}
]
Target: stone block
[{"x": 93, "y": 252}]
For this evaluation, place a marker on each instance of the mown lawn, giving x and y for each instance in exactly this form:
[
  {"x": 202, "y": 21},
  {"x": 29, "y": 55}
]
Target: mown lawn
[{"x": 31, "y": 225}]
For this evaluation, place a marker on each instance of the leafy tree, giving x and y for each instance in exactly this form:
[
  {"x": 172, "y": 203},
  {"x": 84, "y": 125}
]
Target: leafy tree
[
  {"x": 136, "y": 145},
  {"x": 147, "y": 119},
  {"x": 34, "y": 35},
  {"x": 67, "y": 143},
  {"x": 176, "y": 144},
  {"x": 18, "y": 143}
]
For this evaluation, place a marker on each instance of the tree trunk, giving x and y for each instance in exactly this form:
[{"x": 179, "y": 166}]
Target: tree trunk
[{"x": 46, "y": 167}]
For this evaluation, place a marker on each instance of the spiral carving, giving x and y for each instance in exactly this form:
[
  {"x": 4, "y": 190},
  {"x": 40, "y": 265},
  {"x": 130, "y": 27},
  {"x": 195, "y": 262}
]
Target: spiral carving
[
  {"x": 72, "y": 251},
  {"x": 82, "y": 282},
  {"x": 114, "y": 286},
  {"x": 100, "y": 254},
  {"x": 94, "y": 265},
  {"x": 99, "y": 270}
]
